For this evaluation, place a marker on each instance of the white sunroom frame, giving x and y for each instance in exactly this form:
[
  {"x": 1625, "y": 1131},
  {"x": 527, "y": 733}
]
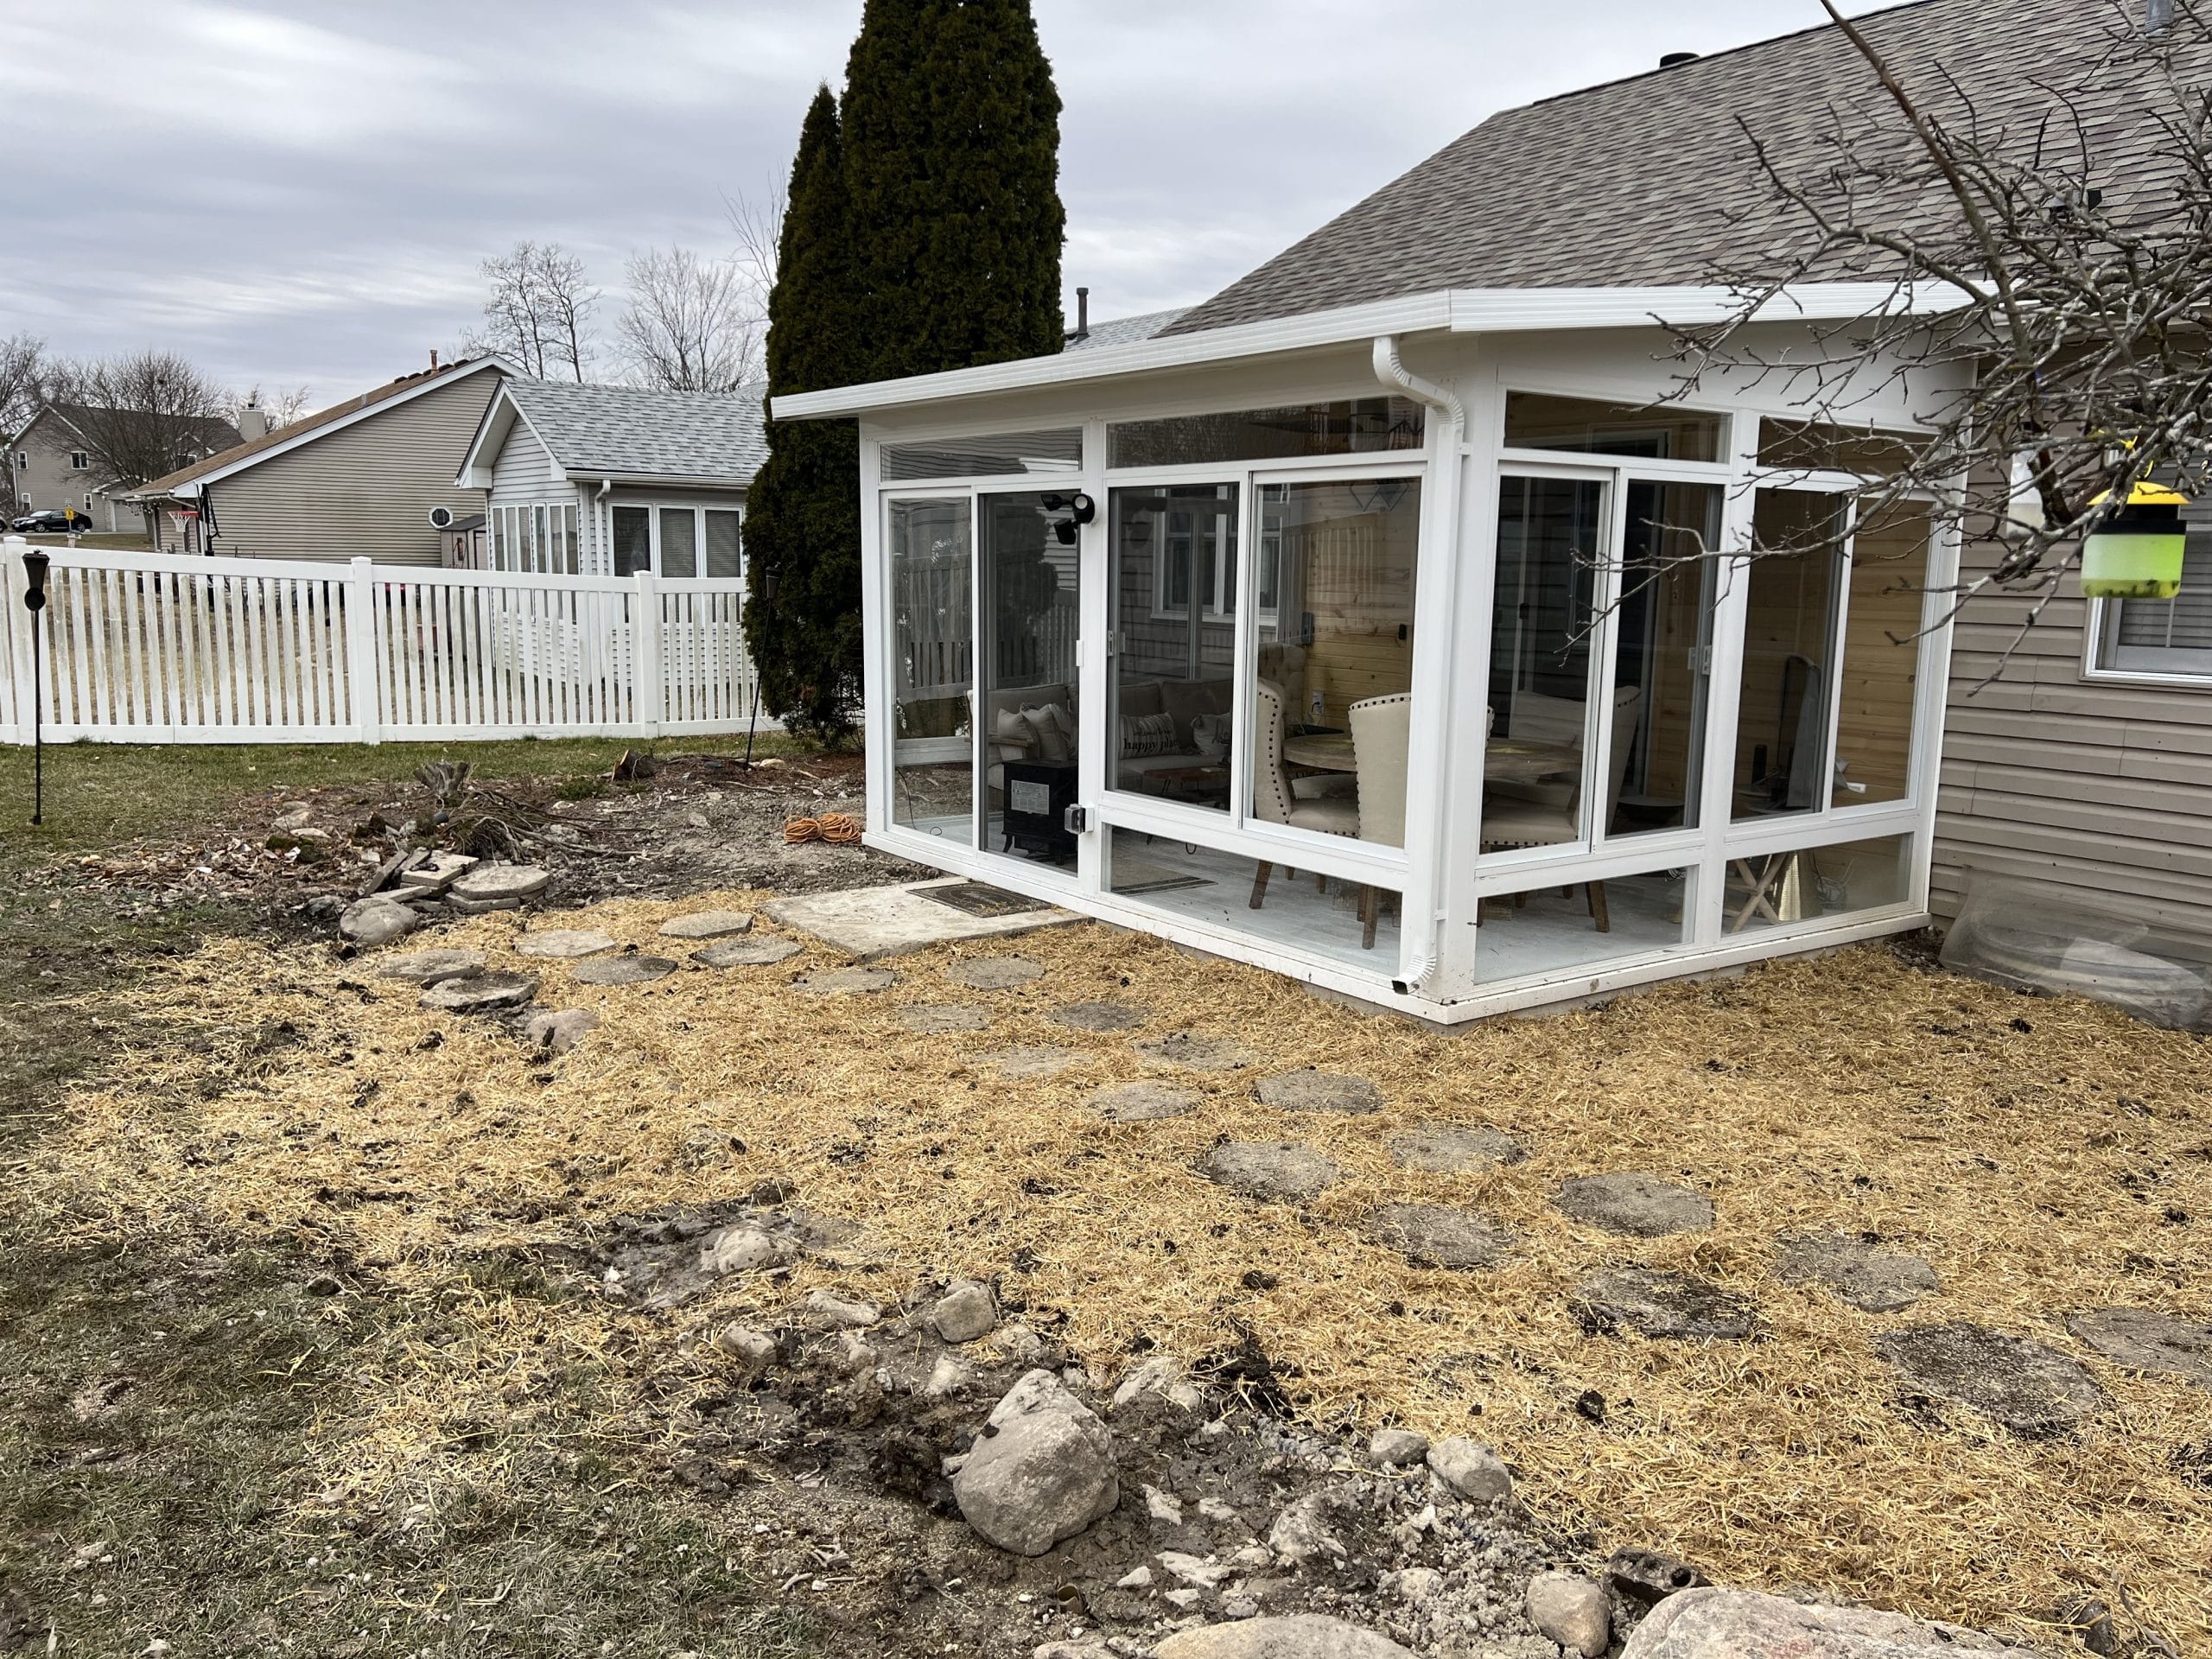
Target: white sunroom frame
[{"x": 1443, "y": 885}]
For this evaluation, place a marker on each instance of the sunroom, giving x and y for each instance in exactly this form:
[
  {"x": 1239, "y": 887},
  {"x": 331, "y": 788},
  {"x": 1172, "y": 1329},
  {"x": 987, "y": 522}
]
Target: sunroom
[{"x": 1442, "y": 652}]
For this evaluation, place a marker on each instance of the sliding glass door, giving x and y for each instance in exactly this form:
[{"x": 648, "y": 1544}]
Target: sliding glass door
[
  {"x": 1031, "y": 606},
  {"x": 931, "y": 569}
]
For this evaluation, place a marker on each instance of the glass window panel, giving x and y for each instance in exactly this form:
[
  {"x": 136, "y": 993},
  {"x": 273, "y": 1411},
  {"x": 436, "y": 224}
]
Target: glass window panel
[
  {"x": 1550, "y": 533},
  {"x": 1550, "y": 929},
  {"x": 1174, "y": 659},
  {"x": 1881, "y": 655},
  {"x": 932, "y": 778},
  {"x": 1333, "y": 707},
  {"x": 1663, "y": 642},
  {"x": 1348, "y": 922},
  {"x": 1354, "y": 427},
  {"x": 1032, "y": 592},
  {"x": 633, "y": 540},
  {"x": 1780, "y": 889},
  {"x": 1781, "y": 711},
  {"x": 995, "y": 455},
  {"x": 569, "y": 539},
  {"x": 1539, "y": 421},
  {"x": 725, "y": 545},
  {"x": 2164, "y": 636},
  {"x": 1822, "y": 445},
  {"x": 679, "y": 542}
]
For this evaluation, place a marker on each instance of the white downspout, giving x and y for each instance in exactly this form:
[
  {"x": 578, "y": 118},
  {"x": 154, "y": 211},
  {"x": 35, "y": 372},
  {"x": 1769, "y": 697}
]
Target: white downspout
[
  {"x": 1423, "y": 792},
  {"x": 601, "y": 525}
]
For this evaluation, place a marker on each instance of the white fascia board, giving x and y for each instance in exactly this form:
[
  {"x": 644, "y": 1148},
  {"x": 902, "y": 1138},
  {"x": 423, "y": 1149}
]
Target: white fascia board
[
  {"x": 1467, "y": 310},
  {"x": 596, "y": 476},
  {"x": 493, "y": 428}
]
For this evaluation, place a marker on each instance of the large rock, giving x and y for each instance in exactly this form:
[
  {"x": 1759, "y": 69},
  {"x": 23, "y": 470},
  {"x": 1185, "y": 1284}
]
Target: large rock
[
  {"x": 1571, "y": 1611},
  {"x": 2142, "y": 1340},
  {"x": 1437, "y": 1236},
  {"x": 2033, "y": 1390},
  {"x": 1666, "y": 1307},
  {"x": 1041, "y": 1471},
  {"x": 1637, "y": 1206},
  {"x": 376, "y": 919},
  {"x": 1300, "y": 1636},
  {"x": 965, "y": 1312},
  {"x": 1270, "y": 1169},
  {"x": 1471, "y": 1469},
  {"x": 1741, "y": 1625},
  {"x": 1880, "y": 1282}
]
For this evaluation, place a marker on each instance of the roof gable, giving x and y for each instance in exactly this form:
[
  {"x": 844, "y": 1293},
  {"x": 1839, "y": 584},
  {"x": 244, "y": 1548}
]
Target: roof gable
[{"x": 631, "y": 432}]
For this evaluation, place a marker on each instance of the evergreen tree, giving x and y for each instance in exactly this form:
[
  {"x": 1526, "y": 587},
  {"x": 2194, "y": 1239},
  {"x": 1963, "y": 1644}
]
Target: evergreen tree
[
  {"x": 802, "y": 522},
  {"x": 951, "y": 131}
]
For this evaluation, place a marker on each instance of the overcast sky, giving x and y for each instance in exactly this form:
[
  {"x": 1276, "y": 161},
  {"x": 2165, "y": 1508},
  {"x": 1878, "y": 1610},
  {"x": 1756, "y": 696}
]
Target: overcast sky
[{"x": 299, "y": 195}]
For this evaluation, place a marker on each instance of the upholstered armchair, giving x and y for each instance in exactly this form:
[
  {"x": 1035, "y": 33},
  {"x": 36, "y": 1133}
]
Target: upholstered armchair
[
  {"x": 1510, "y": 821},
  {"x": 1381, "y": 732}
]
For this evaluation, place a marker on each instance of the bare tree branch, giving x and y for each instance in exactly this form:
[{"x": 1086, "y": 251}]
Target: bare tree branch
[
  {"x": 141, "y": 414},
  {"x": 690, "y": 324}
]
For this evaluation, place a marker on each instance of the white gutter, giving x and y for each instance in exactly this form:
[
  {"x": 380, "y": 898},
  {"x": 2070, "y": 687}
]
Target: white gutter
[{"x": 1424, "y": 793}]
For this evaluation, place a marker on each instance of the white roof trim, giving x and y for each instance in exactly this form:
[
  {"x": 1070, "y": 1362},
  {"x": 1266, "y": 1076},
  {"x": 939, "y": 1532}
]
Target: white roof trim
[
  {"x": 466, "y": 477},
  {"x": 1466, "y": 310}
]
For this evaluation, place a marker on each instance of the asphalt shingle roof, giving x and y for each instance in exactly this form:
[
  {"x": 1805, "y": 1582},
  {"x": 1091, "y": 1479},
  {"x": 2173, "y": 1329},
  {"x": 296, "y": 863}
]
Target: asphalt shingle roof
[
  {"x": 1652, "y": 181},
  {"x": 1124, "y": 331},
  {"x": 618, "y": 429}
]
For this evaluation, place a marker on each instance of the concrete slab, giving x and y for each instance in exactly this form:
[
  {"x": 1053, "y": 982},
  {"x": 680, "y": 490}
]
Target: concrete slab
[{"x": 870, "y": 922}]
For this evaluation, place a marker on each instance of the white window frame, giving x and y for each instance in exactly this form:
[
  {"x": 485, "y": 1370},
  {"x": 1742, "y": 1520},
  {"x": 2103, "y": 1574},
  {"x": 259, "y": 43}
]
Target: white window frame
[
  {"x": 81, "y": 461},
  {"x": 2185, "y": 667},
  {"x": 653, "y": 507}
]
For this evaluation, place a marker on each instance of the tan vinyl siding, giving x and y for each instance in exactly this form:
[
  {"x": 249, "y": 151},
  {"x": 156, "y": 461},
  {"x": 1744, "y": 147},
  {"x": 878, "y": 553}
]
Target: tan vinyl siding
[
  {"x": 364, "y": 491},
  {"x": 2100, "y": 787}
]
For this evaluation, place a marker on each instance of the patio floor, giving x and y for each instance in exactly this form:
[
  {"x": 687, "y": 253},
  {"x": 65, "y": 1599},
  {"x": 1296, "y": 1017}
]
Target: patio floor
[{"x": 2044, "y": 1160}]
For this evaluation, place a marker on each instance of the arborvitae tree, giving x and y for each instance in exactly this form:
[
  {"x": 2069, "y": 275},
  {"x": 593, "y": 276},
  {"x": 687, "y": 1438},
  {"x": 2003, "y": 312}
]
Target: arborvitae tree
[
  {"x": 802, "y": 522},
  {"x": 952, "y": 137}
]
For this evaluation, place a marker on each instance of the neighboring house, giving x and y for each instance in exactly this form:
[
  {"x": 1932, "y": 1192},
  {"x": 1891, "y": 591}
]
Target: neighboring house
[
  {"x": 52, "y": 464},
  {"x": 1390, "y": 570},
  {"x": 358, "y": 480},
  {"x": 611, "y": 480}
]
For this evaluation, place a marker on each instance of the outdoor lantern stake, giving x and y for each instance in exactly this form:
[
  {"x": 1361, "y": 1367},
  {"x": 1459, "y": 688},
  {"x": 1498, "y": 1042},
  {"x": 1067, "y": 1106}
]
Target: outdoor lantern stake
[{"x": 35, "y": 564}]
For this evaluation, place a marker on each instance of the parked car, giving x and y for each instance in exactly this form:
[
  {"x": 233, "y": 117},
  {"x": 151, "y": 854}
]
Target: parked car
[{"x": 60, "y": 519}]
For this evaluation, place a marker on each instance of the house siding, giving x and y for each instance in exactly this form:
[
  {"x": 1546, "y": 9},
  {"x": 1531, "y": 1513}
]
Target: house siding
[
  {"x": 364, "y": 491},
  {"x": 47, "y": 479},
  {"x": 2101, "y": 788}
]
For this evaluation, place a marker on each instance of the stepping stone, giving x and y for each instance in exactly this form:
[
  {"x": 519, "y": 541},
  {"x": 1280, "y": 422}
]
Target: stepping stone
[
  {"x": 482, "y": 994},
  {"x": 1641, "y": 1206},
  {"x": 437, "y": 872},
  {"x": 1880, "y": 1282},
  {"x": 707, "y": 925},
  {"x": 1447, "y": 1149},
  {"x": 2144, "y": 1341},
  {"x": 428, "y": 967},
  {"x": 2035, "y": 1391},
  {"x": 994, "y": 973},
  {"x": 1670, "y": 1306},
  {"x": 624, "y": 970},
  {"x": 1141, "y": 1102},
  {"x": 1437, "y": 1236},
  {"x": 564, "y": 943},
  {"x": 842, "y": 982},
  {"x": 1099, "y": 1016},
  {"x": 1043, "y": 1060},
  {"x": 747, "y": 953},
  {"x": 559, "y": 1032},
  {"x": 1196, "y": 1053},
  {"x": 1319, "y": 1091},
  {"x": 497, "y": 887},
  {"x": 377, "y": 919},
  {"x": 1270, "y": 1169},
  {"x": 931, "y": 1019}
]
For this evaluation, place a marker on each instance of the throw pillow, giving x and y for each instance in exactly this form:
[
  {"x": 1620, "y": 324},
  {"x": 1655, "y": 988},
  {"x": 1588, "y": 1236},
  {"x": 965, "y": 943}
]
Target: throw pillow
[
  {"x": 1210, "y": 734},
  {"x": 1144, "y": 734},
  {"x": 1050, "y": 732}
]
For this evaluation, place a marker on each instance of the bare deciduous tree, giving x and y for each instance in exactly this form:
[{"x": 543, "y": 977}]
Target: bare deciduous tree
[
  {"x": 2049, "y": 262},
  {"x": 140, "y": 414},
  {"x": 282, "y": 408},
  {"x": 22, "y": 368},
  {"x": 756, "y": 223},
  {"x": 691, "y": 324},
  {"x": 539, "y": 310}
]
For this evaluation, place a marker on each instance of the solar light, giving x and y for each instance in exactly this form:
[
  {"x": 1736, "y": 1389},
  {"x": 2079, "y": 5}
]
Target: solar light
[
  {"x": 2136, "y": 553},
  {"x": 34, "y": 569}
]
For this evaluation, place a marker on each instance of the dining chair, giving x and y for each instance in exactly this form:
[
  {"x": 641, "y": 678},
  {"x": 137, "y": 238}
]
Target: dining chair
[
  {"x": 1509, "y": 823},
  {"x": 1275, "y": 799},
  {"x": 1381, "y": 729}
]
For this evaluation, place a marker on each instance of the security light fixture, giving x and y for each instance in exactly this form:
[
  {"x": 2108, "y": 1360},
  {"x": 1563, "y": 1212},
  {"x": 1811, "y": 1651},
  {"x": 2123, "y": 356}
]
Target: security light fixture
[{"x": 1079, "y": 508}]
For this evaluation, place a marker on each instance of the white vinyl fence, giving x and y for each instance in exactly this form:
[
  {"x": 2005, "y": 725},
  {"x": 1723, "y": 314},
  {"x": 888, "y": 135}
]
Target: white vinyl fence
[{"x": 166, "y": 648}]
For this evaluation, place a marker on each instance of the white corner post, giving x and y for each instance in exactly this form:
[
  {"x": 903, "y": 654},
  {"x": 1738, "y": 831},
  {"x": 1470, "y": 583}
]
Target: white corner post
[
  {"x": 363, "y": 696},
  {"x": 648, "y": 690}
]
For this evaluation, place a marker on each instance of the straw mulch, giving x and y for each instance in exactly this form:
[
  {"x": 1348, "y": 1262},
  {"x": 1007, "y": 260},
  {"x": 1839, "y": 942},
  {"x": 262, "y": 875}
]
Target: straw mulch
[{"x": 2046, "y": 1156}]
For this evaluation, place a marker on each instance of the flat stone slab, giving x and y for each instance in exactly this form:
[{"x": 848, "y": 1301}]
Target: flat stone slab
[
  {"x": 2033, "y": 1390},
  {"x": 501, "y": 883},
  {"x": 437, "y": 872},
  {"x": 1713, "y": 1624},
  {"x": 847, "y": 981},
  {"x": 931, "y": 1019},
  {"x": 428, "y": 967},
  {"x": 1639, "y": 1206},
  {"x": 482, "y": 994},
  {"x": 2143, "y": 1340},
  {"x": 1037, "y": 1060},
  {"x": 1143, "y": 1102},
  {"x": 747, "y": 953},
  {"x": 707, "y": 925},
  {"x": 563, "y": 943},
  {"x": 1099, "y": 1016},
  {"x": 1437, "y": 1236},
  {"x": 1319, "y": 1091},
  {"x": 869, "y": 922},
  {"x": 559, "y": 1030},
  {"x": 1270, "y": 1169},
  {"x": 994, "y": 973},
  {"x": 624, "y": 970},
  {"x": 1447, "y": 1149},
  {"x": 1880, "y": 1282},
  {"x": 1669, "y": 1306},
  {"x": 1194, "y": 1052}
]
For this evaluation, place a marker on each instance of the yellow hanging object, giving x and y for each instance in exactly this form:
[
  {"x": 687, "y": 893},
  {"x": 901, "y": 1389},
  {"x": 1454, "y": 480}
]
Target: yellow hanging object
[{"x": 2137, "y": 554}]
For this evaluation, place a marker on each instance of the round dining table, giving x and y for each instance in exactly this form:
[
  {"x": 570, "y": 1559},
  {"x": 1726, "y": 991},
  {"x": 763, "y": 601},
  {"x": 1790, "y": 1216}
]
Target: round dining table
[{"x": 1505, "y": 760}]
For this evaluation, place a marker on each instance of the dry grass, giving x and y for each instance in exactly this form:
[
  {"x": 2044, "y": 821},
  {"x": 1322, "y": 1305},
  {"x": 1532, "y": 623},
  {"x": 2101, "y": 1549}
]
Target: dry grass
[{"x": 2037, "y": 1168}]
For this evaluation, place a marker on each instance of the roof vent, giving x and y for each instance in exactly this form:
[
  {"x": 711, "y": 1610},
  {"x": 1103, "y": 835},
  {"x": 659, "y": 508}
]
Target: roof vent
[{"x": 1668, "y": 60}]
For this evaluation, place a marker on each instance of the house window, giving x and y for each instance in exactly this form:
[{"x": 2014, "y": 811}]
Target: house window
[
  {"x": 2162, "y": 636},
  {"x": 993, "y": 455},
  {"x": 535, "y": 539},
  {"x": 1538, "y": 421},
  {"x": 677, "y": 543},
  {"x": 88, "y": 502},
  {"x": 80, "y": 462},
  {"x": 1356, "y": 426}
]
